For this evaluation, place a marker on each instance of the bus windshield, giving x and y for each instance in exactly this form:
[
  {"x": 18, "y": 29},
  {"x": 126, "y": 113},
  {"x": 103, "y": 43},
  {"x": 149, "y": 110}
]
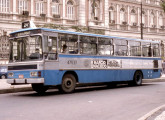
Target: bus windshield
[{"x": 26, "y": 48}]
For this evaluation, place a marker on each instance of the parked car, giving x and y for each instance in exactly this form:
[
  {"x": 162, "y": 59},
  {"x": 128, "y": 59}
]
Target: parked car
[{"x": 3, "y": 72}]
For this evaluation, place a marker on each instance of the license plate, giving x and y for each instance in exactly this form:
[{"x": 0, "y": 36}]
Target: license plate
[{"x": 21, "y": 76}]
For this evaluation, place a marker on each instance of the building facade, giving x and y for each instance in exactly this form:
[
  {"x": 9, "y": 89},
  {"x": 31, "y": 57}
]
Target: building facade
[{"x": 111, "y": 17}]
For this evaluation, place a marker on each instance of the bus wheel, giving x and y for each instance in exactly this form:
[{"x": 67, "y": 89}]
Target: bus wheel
[
  {"x": 3, "y": 77},
  {"x": 112, "y": 85},
  {"x": 40, "y": 88},
  {"x": 68, "y": 83},
  {"x": 137, "y": 79}
]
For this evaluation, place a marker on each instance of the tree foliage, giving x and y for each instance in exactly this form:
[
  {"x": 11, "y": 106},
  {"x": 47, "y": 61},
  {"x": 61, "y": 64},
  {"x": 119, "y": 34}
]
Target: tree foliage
[
  {"x": 163, "y": 4},
  {"x": 74, "y": 28}
]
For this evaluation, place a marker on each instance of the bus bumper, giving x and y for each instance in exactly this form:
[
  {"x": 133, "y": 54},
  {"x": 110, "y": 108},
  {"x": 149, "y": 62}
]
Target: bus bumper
[{"x": 25, "y": 81}]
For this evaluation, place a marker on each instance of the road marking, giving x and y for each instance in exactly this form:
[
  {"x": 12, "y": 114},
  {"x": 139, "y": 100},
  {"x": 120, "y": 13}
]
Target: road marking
[
  {"x": 151, "y": 113},
  {"x": 161, "y": 116}
]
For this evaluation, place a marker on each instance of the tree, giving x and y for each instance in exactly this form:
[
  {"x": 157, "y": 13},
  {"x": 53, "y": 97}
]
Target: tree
[{"x": 163, "y": 4}]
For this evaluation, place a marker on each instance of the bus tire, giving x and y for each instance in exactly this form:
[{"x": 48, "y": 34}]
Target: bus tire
[
  {"x": 40, "y": 88},
  {"x": 3, "y": 77},
  {"x": 137, "y": 79},
  {"x": 68, "y": 83},
  {"x": 111, "y": 85}
]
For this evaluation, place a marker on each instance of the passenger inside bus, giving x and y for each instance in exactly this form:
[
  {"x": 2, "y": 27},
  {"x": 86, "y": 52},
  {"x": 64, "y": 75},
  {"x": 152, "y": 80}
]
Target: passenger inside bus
[
  {"x": 149, "y": 51},
  {"x": 68, "y": 50},
  {"x": 35, "y": 55},
  {"x": 64, "y": 49}
]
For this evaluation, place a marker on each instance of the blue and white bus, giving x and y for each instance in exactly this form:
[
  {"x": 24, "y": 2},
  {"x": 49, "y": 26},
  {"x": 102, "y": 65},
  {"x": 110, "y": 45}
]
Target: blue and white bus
[{"x": 46, "y": 57}]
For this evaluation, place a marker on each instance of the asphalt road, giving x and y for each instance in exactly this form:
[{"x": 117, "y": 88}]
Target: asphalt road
[{"x": 100, "y": 103}]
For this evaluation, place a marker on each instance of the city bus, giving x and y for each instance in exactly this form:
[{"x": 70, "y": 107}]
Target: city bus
[{"x": 46, "y": 57}]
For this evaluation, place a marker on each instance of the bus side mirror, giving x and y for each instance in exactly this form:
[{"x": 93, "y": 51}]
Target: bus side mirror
[{"x": 49, "y": 42}]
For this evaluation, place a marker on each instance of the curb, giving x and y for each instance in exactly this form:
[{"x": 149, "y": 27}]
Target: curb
[
  {"x": 154, "y": 80},
  {"x": 151, "y": 113}
]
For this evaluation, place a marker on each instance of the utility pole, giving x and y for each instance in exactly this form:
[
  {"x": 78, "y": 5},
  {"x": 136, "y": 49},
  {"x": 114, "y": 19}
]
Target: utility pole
[{"x": 141, "y": 20}]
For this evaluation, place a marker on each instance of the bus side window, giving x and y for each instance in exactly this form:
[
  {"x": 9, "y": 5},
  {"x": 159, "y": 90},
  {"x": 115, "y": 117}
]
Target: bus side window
[
  {"x": 88, "y": 45},
  {"x": 156, "y": 50},
  {"x": 135, "y": 48},
  {"x": 73, "y": 44},
  {"x": 62, "y": 42},
  {"x": 68, "y": 44},
  {"x": 121, "y": 48},
  {"x": 105, "y": 46},
  {"x": 52, "y": 48},
  {"x": 146, "y": 49}
]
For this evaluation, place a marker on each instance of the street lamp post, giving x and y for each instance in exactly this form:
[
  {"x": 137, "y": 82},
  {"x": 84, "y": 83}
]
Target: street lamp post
[{"x": 141, "y": 20}]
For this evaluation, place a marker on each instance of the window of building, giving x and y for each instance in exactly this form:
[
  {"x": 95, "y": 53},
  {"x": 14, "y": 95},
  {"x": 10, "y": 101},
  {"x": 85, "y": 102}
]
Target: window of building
[
  {"x": 105, "y": 46},
  {"x": 160, "y": 20},
  {"x": 4, "y": 6},
  {"x": 143, "y": 17},
  {"x": 133, "y": 16},
  {"x": 148, "y": 1},
  {"x": 88, "y": 45},
  {"x": 55, "y": 7},
  {"x": 39, "y": 7},
  {"x": 158, "y": 2},
  {"x": 95, "y": 11},
  {"x": 122, "y": 15},
  {"x": 152, "y": 19},
  {"x": 22, "y": 6},
  {"x": 111, "y": 15},
  {"x": 96, "y": 15},
  {"x": 70, "y": 10}
]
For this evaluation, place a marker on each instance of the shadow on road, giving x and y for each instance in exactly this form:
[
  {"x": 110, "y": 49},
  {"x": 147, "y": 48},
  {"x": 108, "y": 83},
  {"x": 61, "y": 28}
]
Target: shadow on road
[{"x": 54, "y": 91}]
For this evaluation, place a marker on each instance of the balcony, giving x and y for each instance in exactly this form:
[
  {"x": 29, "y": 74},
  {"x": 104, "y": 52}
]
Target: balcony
[
  {"x": 134, "y": 27},
  {"x": 6, "y": 16}
]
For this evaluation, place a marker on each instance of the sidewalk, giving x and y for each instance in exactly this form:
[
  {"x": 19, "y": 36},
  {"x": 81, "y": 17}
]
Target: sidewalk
[
  {"x": 161, "y": 79},
  {"x": 7, "y": 88},
  {"x": 156, "y": 114}
]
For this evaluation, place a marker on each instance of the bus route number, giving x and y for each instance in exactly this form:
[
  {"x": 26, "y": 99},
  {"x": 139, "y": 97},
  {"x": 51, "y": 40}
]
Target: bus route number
[{"x": 72, "y": 62}]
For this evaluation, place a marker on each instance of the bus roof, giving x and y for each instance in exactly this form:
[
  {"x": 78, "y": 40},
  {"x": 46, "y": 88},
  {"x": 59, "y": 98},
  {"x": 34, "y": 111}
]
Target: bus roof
[{"x": 85, "y": 34}]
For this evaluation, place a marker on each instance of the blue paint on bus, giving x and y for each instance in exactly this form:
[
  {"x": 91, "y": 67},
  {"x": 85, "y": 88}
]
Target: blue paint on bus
[{"x": 54, "y": 77}]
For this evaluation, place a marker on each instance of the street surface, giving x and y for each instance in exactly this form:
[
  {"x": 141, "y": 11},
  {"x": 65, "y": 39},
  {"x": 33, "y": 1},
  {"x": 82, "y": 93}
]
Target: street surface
[{"x": 99, "y": 103}]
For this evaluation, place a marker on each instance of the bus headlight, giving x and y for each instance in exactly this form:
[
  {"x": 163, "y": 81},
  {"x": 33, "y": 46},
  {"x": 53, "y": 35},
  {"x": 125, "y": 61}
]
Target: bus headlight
[
  {"x": 10, "y": 74},
  {"x": 33, "y": 74}
]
